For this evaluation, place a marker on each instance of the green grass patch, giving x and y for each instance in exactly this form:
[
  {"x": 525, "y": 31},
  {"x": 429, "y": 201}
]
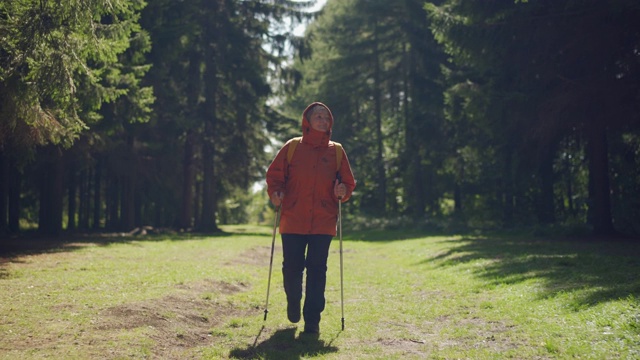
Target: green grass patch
[{"x": 406, "y": 296}]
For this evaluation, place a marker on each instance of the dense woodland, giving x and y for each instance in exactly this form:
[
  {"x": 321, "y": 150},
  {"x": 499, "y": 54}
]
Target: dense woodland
[{"x": 119, "y": 114}]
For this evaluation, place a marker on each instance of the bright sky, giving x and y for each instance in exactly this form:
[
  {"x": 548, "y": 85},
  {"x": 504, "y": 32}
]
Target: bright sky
[{"x": 299, "y": 30}]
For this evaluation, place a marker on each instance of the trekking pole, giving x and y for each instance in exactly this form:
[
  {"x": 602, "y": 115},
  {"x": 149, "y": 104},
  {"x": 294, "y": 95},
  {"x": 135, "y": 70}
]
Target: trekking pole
[
  {"x": 273, "y": 243},
  {"x": 341, "y": 276}
]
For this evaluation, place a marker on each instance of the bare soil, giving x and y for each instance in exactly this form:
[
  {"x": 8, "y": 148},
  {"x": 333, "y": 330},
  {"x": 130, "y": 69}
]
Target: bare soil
[{"x": 177, "y": 322}]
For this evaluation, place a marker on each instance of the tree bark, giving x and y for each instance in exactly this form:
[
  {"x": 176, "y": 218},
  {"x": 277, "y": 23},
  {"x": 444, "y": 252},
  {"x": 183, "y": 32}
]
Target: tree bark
[
  {"x": 188, "y": 179},
  {"x": 208, "y": 220},
  {"x": 72, "y": 186},
  {"x": 600, "y": 185},
  {"x": 546, "y": 206},
  {"x": 83, "y": 205},
  {"x": 416, "y": 182},
  {"x": 507, "y": 188},
  {"x": 457, "y": 199},
  {"x": 97, "y": 204},
  {"x": 4, "y": 193},
  {"x": 213, "y": 43},
  {"x": 113, "y": 203},
  {"x": 377, "y": 98},
  {"x": 127, "y": 215},
  {"x": 51, "y": 192},
  {"x": 15, "y": 182}
]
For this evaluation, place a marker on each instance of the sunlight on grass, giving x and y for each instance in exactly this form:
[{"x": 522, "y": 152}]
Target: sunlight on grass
[{"x": 424, "y": 297}]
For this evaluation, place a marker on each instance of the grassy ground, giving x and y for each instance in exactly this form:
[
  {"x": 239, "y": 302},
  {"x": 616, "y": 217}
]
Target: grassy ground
[{"x": 406, "y": 296}]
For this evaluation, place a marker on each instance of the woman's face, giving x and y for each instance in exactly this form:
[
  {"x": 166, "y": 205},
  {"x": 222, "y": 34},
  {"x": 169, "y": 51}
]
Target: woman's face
[{"x": 320, "y": 120}]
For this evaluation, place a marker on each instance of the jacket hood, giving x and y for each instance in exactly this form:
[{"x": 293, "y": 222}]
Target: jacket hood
[{"x": 316, "y": 138}]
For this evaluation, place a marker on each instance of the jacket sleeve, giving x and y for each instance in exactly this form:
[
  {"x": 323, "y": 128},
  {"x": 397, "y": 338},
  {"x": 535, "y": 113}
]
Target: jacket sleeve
[
  {"x": 347, "y": 176},
  {"x": 277, "y": 172}
]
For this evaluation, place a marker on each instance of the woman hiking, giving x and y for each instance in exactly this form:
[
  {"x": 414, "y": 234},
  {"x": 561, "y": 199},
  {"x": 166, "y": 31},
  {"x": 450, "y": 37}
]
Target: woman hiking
[{"x": 307, "y": 181}]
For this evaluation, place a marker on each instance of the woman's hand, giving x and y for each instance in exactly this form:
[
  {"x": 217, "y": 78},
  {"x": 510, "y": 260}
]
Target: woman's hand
[
  {"x": 276, "y": 198},
  {"x": 339, "y": 189}
]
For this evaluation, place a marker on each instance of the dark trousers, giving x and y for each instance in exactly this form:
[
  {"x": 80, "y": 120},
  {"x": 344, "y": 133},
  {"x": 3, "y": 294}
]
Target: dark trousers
[{"x": 316, "y": 247}]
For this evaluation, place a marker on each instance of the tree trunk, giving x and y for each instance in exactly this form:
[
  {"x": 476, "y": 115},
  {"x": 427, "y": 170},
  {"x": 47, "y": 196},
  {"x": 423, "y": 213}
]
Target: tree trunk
[
  {"x": 214, "y": 40},
  {"x": 569, "y": 186},
  {"x": 457, "y": 199},
  {"x": 457, "y": 187},
  {"x": 507, "y": 189},
  {"x": 197, "y": 206},
  {"x": 126, "y": 201},
  {"x": 208, "y": 221},
  {"x": 138, "y": 207},
  {"x": 86, "y": 209},
  {"x": 417, "y": 197},
  {"x": 72, "y": 186},
  {"x": 4, "y": 193},
  {"x": 113, "y": 203},
  {"x": 97, "y": 205},
  {"x": 51, "y": 192},
  {"x": 188, "y": 179},
  {"x": 194, "y": 91},
  {"x": 57, "y": 193},
  {"x": 124, "y": 223},
  {"x": 83, "y": 215},
  {"x": 600, "y": 202},
  {"x": 546, "y": 206},
  {"x": 415, "y": 181},
  {"x": 127, "y": 214},
  {"x": 377, "y": 98},
  {"x": 15, "y": 181}
]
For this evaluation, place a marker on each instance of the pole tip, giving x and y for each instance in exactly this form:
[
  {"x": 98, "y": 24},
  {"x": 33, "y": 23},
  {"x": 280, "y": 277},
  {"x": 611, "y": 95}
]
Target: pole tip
[
  {"x": 265, "y": 314},
  {"x": 342, "y": 324}
]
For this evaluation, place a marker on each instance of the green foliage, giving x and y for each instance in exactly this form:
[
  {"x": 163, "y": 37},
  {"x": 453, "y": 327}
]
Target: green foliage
[
  {"x": 55, "y": 57},
  {"x": 492, "y": 107},
  {"x": 357, "y": 64},
  {"x": 453, "y": 113},
  {"x": 531, "y": 104}
]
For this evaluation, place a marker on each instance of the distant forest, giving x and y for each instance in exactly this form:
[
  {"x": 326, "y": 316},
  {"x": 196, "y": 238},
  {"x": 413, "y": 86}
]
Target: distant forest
[{"x": 455, "y": 114}]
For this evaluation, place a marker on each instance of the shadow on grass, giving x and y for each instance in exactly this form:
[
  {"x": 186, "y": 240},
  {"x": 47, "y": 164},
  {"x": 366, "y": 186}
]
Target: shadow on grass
[
  {"x": 594, "y": 270},
  {"x": 385, "y": 236},
  {"x": 283, "y": 345},
  {"x": 31, "y": 243}
]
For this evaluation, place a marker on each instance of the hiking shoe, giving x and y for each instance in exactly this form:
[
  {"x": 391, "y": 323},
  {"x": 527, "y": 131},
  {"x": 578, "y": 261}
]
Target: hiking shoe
[
  {"x": 313, "y": 328},
  {"x": 293, "y": 311}
]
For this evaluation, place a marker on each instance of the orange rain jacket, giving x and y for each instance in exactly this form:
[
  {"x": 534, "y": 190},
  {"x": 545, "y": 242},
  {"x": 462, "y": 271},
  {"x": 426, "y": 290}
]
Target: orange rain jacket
[{"x": 309, "y": 205}]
